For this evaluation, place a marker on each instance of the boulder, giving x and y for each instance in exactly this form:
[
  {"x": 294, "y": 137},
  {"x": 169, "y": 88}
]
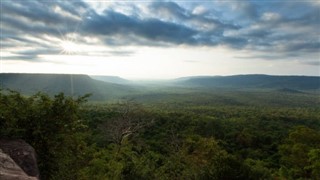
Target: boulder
[
  {"x": 22, "y": 154},
  {"x": 9, "y": 170}
]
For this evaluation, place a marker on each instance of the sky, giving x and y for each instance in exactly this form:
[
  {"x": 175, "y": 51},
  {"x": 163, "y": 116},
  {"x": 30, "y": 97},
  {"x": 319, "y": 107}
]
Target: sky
[{"x": 143, "y": 39}]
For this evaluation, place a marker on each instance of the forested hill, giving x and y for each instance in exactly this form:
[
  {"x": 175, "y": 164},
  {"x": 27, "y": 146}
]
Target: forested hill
[
  {"x": 111, "y": 79},
  {"x": 253, "y": 81},
  {"x": 76, "y": 85}
]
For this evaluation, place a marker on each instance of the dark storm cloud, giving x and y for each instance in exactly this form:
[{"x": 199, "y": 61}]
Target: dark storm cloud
[
  {"x": 118, "y": 25},
  {"x": 20, "y": 27},
  {"x": 48, "y": 13},
  {"x": 259, "y": 26},
  {"x": 114, "y": 23},
  {"x": 33, "y": 10},
  {"x": 41, "y": 17},
  {"x": 39, "y": 10}
]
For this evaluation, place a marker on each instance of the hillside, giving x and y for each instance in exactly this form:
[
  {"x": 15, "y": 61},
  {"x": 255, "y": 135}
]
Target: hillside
[
  {"x": 75, "y": 85},
  {"x": 167, "y": 130},
  {"x": 111, "y": 79},
  {"x": 253, "y": 81}
]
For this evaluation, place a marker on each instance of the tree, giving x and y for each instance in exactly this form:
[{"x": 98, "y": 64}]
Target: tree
[
  {"x": 50, "y": 125},
  {"x": 314, "y": 160},
  {"x": 129, "y": 120},
  {"x": 299, "y": 153}
]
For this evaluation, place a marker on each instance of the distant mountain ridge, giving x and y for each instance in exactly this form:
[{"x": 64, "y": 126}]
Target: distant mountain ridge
[
  {"x": 253, "y": 81},
  {"x": 79, "y": 84},
  {"x": 69, "y": 84},
  {"x": 111, "y": 79}
]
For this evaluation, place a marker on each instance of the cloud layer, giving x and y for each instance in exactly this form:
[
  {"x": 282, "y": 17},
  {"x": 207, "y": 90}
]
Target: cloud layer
[{"x": 287, "y": 29}]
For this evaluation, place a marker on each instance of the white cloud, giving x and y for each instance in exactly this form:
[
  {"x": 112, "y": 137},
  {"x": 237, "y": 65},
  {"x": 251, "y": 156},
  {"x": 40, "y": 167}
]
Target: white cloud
[
  {"x": 99, "y": 6},
  {"x": 199, "y": 10},
  {"x": 64, "y": 13},
  {"x": 270, "y": 16},
  {"x": 134, "y": 40}
]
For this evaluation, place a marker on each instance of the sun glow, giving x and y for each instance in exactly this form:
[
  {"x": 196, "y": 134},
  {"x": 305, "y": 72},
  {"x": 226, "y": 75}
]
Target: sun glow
[{"x": 70, "y": 47}]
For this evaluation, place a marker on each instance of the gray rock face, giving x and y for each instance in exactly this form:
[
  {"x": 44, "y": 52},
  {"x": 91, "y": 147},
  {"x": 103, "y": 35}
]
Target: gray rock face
[
  {"x": 23, "y": 159},
  {"x": 9, "y": 170}
]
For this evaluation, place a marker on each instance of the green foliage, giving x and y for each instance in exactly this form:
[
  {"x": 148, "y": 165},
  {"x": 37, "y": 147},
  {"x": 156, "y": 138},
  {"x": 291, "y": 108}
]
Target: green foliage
[
  {"x": 259, "y": 169},
  {"x": 300, "y": 154},
  {"x": 314, "y": 160},
  {"x": 218, "y": 135},
  {"x": 50, "y": 125}
]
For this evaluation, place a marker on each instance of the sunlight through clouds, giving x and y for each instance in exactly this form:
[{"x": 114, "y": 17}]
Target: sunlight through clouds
[{"x": 148, "y": 39}]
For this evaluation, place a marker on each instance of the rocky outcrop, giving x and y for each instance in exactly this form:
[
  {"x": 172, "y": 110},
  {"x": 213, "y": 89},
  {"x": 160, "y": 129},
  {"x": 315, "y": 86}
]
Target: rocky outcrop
[
  {"x": 9, "y": 170},
  {"x": 18, "y": 161}
]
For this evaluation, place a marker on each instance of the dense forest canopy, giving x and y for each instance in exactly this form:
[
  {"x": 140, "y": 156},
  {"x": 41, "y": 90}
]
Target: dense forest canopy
[{"x": 75, "y": 139}]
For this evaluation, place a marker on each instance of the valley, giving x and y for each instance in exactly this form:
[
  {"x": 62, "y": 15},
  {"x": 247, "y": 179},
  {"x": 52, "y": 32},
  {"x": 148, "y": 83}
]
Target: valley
[{"x": 233, "y": 127}]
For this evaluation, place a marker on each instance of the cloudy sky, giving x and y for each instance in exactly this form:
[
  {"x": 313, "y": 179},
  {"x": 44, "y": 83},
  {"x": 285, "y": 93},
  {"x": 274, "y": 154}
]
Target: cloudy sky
[{"x": 161, "y": 39}]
